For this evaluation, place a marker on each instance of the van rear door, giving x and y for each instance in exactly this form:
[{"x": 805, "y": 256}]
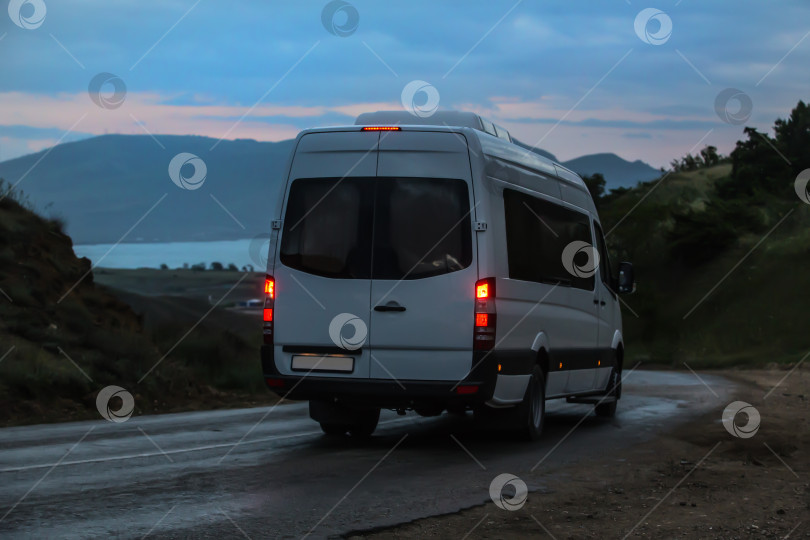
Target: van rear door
[
  {"x": 323, "y": 267},
  {"x": 423, "y": 269}
]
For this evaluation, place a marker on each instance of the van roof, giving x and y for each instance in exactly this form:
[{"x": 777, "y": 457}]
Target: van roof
[
  {"x": 499, "y": 145},
  {"x": 438, "y": 118}
]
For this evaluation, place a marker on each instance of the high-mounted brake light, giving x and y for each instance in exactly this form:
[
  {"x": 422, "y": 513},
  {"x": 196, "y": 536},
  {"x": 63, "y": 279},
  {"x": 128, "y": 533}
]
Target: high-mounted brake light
[
  {"x": 269, "y": 304},
  {"x": 485, "y": 316},
  {"x": 382, "y": 128}
]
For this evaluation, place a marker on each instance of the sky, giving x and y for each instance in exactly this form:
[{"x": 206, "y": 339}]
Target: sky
[{"x": 631, "y": 77}]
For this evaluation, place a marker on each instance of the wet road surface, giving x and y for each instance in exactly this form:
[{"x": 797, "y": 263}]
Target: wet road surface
[{"x": 270, "y": 473}]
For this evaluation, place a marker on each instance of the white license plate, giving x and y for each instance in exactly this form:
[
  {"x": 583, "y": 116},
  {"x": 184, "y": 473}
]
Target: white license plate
[{"x": 342, "y": 364}]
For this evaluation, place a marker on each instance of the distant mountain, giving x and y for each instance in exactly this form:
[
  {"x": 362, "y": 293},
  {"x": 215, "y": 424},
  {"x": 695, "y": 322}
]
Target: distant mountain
[
  {"x": 618, "y": 172},
  {"x": 103, "y": 186},
  {"x": 117, "y": 188}
]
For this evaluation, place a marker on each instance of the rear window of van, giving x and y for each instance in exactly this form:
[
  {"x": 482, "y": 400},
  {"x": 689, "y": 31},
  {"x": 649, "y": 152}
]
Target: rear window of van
[{"x": 377, "y": 228}]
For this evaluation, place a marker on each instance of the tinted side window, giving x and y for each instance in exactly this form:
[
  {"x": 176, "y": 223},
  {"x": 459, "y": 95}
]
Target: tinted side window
[
  {"x": 422, "y": 228},
  {"x": 604, "y": 261},
  {"x": 327, "y": 227},
  {"x": 537, "y": 232}
]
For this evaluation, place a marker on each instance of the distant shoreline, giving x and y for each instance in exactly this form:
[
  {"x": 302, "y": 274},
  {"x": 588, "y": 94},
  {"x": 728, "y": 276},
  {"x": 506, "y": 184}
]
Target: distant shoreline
[{"x": 245, "y": 252}]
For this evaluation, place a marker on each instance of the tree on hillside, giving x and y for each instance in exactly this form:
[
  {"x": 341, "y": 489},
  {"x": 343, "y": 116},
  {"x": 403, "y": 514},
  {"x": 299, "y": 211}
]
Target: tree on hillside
[
  {"x": 770, "y": 164},
  {"x": 710, "y": 156},
  {"x": 793, "y": 136},
  {"x": 596, "y": 185}
]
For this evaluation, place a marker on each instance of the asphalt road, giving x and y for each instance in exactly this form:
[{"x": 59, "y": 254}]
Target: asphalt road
[{"x": 270, "y": 473}]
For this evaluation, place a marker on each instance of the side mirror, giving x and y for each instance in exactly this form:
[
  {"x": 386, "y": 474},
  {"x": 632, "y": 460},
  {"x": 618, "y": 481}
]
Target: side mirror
[{"x": 627, "y": 278}]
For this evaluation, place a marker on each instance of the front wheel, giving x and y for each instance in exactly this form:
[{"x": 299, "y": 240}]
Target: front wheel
[{"x": 607, "y": 409}]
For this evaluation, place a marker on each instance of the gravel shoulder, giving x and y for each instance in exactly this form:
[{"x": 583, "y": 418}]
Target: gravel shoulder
[{"x": 696, "y": 481}]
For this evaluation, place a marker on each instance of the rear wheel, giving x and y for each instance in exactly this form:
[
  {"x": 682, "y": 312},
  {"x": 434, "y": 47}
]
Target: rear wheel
[
  {"x": 607, "y": 409},
  {"x": 365, "y": 424},
  {"x": 334, "y": 430},
  {"x": 336, "y": 419},
  {"x": 532, "y": 411}
]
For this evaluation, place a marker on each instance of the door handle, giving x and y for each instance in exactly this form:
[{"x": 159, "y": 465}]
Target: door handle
[{"x": 390, "y": 306}]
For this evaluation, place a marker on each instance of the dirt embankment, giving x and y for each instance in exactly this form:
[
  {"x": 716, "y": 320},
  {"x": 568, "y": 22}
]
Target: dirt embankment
[
  {"x": 698, "y": 481},
  {"x": 63, "y": 337}
]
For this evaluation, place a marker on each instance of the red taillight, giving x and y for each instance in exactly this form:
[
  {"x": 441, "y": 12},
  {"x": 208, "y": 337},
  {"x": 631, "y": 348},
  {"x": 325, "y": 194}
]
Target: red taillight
[
  {"x": 467, "y": 389},
  {"x": 382, "y": 128},
  {"x": 269, "y": 304},
  {"x": 485, "y": 317},
  {"x": 270, "y": 287},
  {"x": 275, "y": 383}
]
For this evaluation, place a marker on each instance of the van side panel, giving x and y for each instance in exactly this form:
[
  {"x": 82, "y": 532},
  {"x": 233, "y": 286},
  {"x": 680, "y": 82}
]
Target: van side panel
[{"x": 577, "y": 197}]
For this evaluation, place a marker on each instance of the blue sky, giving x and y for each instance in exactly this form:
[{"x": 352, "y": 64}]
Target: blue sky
[{"x": 572, "y": 76}]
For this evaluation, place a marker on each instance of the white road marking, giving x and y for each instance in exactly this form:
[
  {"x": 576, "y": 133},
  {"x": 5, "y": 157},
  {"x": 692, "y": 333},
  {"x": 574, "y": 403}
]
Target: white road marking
[{"x": 177, "y": 451}]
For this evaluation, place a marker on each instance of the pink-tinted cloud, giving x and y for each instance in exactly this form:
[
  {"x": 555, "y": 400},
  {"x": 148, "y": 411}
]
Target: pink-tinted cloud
[{"x": 142, "y": 112}]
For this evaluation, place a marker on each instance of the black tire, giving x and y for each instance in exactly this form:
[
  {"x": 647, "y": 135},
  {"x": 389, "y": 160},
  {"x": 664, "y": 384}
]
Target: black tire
[
  {"x": 531, "y": 412},
  {"x": 365, "y": 424},
  {"x": 614, "y": 390},
  {"x": 334, "y": 430}
]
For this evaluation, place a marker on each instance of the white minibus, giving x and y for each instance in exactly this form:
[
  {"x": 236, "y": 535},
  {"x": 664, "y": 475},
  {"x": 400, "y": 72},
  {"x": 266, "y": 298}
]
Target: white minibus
[{"x": 433, "y": 264}]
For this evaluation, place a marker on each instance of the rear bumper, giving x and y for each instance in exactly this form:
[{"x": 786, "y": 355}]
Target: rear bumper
[{"x": 383, "y": 392}]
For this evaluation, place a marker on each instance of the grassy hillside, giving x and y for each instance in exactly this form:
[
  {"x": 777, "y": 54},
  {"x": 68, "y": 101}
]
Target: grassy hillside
[
  {"x": 56, "y": 355},
  {"x": 700, "y": 300}
]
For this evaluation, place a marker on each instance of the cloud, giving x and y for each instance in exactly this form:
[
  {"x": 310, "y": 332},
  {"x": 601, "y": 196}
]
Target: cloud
[
  {"x": 29, "y": 115},
  {"x": 637, "y": 136},
  {"x": 540, "y": 60}
]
